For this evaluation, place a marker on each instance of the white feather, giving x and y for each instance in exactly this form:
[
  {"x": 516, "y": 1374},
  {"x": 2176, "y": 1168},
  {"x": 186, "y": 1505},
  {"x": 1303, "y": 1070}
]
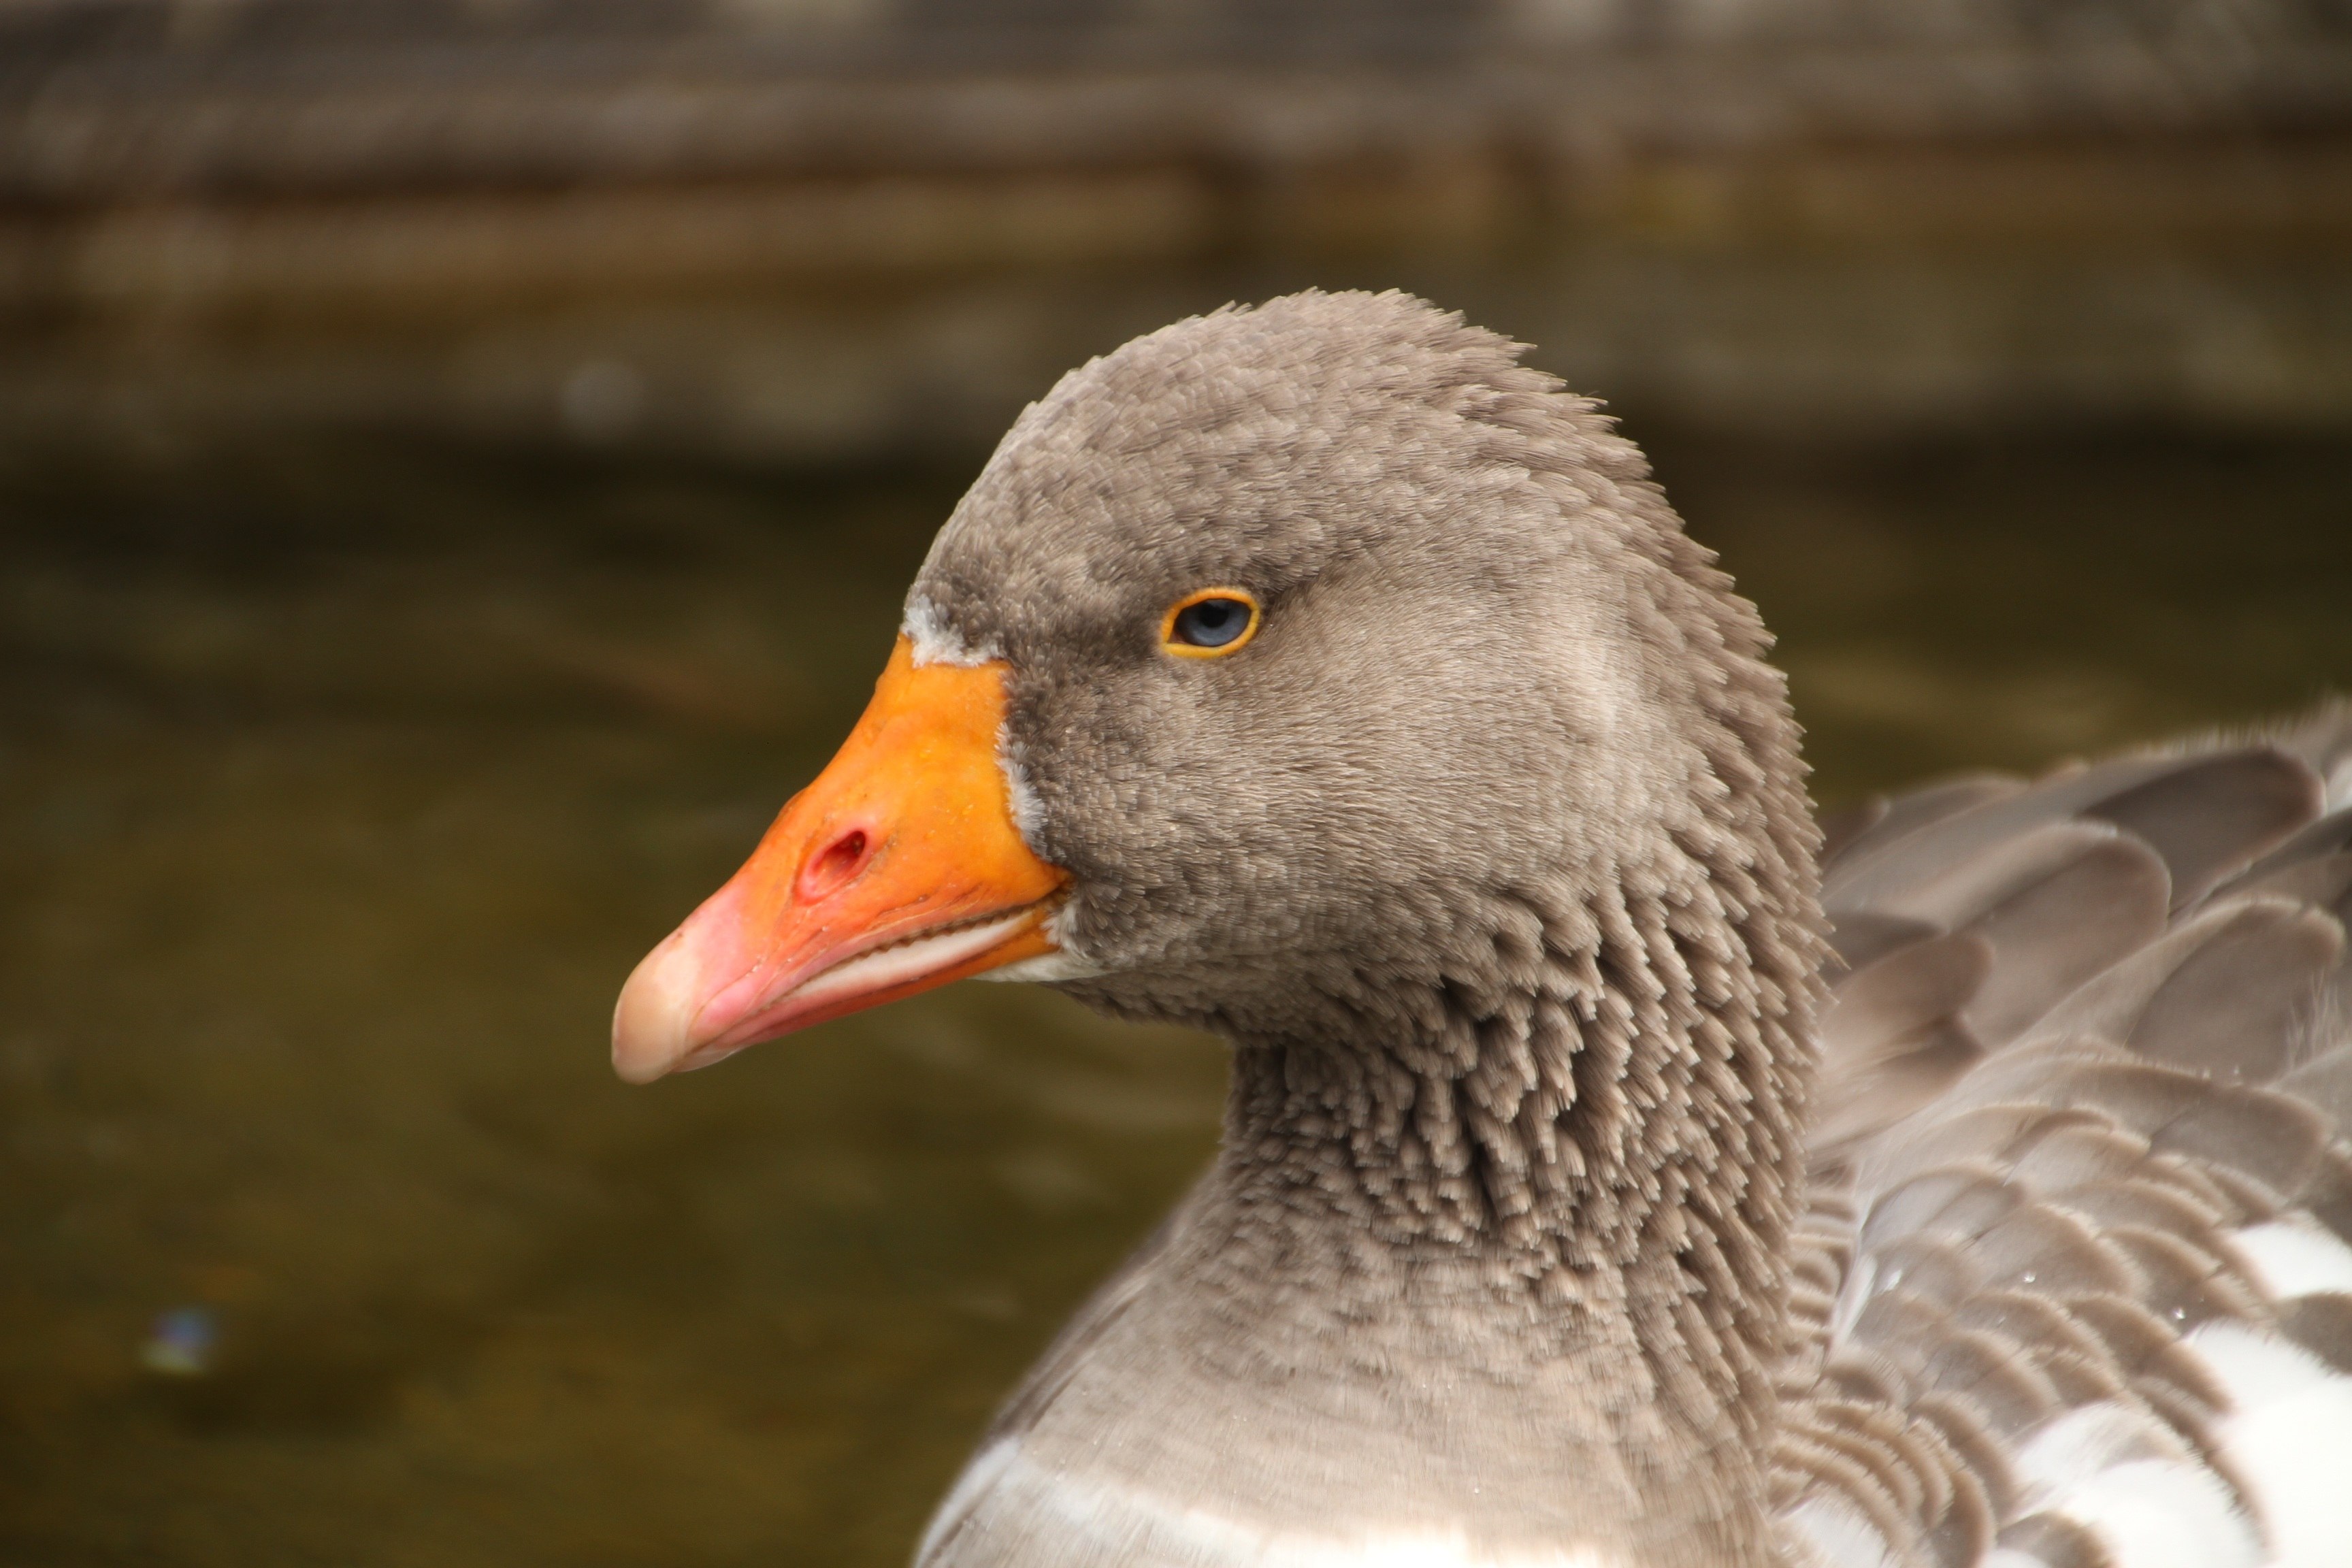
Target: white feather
[
  {"x": 1840, "y": 1537},
  {"x": 2074, "y": 1447},
  {"x": 1136, "y": 1524},
  {"x": 2253, "y": 1367},
  {"x": 935, "y": 641},
  {"x": 2288, "y": 1438},
  {"x": 2124, "y": 1476},
  {"x": 2151, "y": 1513},
  {"x": 980, "y": 1477},
  {"x": 2296, "y": 1255}
]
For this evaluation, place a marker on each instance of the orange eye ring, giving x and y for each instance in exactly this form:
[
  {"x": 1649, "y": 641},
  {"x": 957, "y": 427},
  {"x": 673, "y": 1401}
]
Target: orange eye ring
[{"x": 1180, "y": 636}]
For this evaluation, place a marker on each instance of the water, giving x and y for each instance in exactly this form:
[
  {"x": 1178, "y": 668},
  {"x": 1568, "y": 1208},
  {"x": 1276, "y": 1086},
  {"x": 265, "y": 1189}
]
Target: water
[{"x": 340, "y": 784}]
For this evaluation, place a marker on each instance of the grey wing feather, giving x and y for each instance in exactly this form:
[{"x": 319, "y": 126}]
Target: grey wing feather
[{"x": 2079, "y": 1242}]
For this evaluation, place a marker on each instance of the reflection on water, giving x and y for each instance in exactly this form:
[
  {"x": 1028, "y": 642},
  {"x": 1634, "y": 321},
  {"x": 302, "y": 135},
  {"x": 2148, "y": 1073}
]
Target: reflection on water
[{"x": 339, "y": 789}]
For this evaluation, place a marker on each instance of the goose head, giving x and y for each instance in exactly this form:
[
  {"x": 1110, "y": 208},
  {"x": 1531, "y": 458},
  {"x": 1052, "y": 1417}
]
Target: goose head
[{"x": 1287, "y": 672}]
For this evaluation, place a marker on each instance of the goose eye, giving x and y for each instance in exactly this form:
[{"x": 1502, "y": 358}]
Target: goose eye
[{"x": 1210, "y": 623}]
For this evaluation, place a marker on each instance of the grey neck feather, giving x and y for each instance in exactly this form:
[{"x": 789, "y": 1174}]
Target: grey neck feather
[{"x": 1603, "y": 1125}]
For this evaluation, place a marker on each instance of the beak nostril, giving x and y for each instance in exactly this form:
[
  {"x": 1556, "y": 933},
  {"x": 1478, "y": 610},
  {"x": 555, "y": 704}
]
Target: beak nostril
[{"x": 834, "y": 865}]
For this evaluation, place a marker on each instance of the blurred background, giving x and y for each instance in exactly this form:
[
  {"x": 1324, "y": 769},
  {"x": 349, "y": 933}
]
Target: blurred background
[{"x": 459, "y": 461}]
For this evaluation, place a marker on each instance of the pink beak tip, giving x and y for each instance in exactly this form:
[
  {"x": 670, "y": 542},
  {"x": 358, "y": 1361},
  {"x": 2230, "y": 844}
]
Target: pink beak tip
[{"x": 652, "y": 1022}]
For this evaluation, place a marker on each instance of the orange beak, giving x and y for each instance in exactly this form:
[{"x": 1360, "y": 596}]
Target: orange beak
[{"x": 898, "y": 869}]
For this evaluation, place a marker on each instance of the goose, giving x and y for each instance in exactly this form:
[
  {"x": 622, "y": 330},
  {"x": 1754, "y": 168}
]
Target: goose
[{"x": 1621, "y": 1169}]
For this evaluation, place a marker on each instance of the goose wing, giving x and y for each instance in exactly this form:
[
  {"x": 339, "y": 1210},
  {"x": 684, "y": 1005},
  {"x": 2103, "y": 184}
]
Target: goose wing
[{"x": 2074, "y": 1284}]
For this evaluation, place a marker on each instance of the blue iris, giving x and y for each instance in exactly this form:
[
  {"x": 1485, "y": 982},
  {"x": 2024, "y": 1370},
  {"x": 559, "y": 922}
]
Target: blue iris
[{"x": 1212, "y": 623}]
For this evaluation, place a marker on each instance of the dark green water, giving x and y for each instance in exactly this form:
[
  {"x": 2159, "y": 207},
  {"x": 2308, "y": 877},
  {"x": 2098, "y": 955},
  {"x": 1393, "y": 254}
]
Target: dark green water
[{"x": 340, "y": 788}]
